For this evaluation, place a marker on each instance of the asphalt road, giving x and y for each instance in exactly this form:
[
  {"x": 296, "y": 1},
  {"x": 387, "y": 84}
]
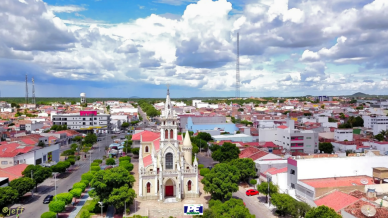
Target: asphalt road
[{"x": 35, "y": 207}]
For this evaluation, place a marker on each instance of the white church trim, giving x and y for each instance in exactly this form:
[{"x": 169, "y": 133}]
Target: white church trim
[{"x": 168, "y": 165}]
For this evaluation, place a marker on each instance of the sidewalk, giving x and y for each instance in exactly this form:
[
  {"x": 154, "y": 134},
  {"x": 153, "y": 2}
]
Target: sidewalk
[{"x": 80, "y": 204}]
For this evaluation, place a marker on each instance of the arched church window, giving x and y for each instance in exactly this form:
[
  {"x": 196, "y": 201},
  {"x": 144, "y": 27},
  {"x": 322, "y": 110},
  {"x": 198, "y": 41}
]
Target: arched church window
[
  {"x": 148, "y": 187},
  {"x": 189, "y": 185},
  {"x": 166, "y": 134},
  {"x": 171, "y": 134},
  {"x": 158, "y": 184},
  {"x": 169, "y": 161},
  {"x": 146, "y": 149}
]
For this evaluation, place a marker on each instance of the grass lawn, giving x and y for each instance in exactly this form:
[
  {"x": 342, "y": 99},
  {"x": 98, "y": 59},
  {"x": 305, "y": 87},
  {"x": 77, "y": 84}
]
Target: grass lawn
[{"x": 84, "y": 208}]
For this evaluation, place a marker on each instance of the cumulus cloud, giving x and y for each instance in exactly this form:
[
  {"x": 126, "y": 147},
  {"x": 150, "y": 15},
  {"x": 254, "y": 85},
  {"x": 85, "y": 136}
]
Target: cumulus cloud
[
  {"x": 65, "y": 8},
  {"x": 285, "y": 46}
]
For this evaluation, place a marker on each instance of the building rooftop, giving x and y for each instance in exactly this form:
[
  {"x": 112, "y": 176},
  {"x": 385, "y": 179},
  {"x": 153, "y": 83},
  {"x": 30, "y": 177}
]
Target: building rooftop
[
  {"x": 336, "y": 200},
  {"x": 146, "y": 136},
  {"x": 13, "y": 172},
  {"x": 338, "y": 181}
]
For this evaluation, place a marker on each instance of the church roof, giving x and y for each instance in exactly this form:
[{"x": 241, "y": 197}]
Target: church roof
[
  {"x": 156, "y": 144},
  {"x": 147, "y": 160},
  {"x": 147, "y": 136},
  {"x": 186, "y": 140}
]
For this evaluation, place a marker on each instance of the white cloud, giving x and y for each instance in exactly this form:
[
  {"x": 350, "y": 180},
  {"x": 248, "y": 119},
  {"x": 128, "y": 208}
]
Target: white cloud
[
  {"x": 309, "y": 56},
  {"x": 65, "y": 8}
]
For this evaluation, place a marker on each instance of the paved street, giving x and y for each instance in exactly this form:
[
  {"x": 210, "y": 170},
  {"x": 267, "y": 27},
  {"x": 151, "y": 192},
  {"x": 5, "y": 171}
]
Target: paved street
[
  {"x": 35, "y": 207},
  {"x": 253, "y": 204}
]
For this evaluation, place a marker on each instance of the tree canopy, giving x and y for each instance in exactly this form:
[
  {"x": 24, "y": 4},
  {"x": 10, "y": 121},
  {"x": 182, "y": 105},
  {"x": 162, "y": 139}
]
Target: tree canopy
[
  {"x": 22, "y": 185},
  {"x": 233, "y": 208},
  {"x": 322, "y": 212},
  {"x": 286, "y": 205},
  {"x": 221, "y": 181},
  {"x": 225, "y": 153},
  {"x": 246, "y": 166},
  {"x": 8, "y": 196},
  {"x": 105, "y": 181},
  {"x": 263, "y": 189},
  {"x": 119, "y": 196},
  {"x": 326, "y": 147},
  {"x": 90, "y": 139},
  {"x": 39, "y": 173},
  {"x": 204, "y": 136},
  {"x": 57, "y": 206}
]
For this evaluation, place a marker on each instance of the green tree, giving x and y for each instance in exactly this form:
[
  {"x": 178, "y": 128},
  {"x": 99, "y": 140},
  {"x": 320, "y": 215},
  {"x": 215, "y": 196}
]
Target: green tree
[
  {"x": 105, "y": 181},
  {"x": 39, "y": 173},
  {"x": 110, "y": 161},
  {"x": 8, "y": 196},
  {"x": 285, "y": 204},
  {"x": 57, "y": 206},
  {"x": 226, "y": 153},
  {"x": 204, "y": 136},
  {"x": 126, "y": 158},
  {"x": 125, "y": 125},
  {"x": 60, "y": 167},
  {"x": 95, "y": 168},
  {"x": 263, "y": 189},
  {"x": 76, "y": 192},
  {"x": 204, "y": 171},
  {"x": 326, "y": 147},
  {"x": 127, "y": 165},
  {"x": 90, "y": 139},
  {"x": 85, "y": 214},
  {"x": 48, "y": 214},
  {"x": 221, "y": 181},
  {"x": 77, "y": 138},
  {"x": 246, "y": 166},
  {"x": 322, "y": 212},
  {"x": 99, "y": 161},
  {"x": 65, "y": 197},
  {"x": 41, "y": 144},
  {"x": 253, "y": 182},
  {"x": 80, "y": 185},
  {"x": 358, "y": 122},
  {"x": 119, "y": 196},
  {"x": 233, "y": 208},
  {"x": 379, "y": 137},
  {"x": 22, "y": 185}
]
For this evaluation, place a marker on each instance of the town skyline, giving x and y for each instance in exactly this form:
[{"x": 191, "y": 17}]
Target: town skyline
[{"x": 102, "y": 48}]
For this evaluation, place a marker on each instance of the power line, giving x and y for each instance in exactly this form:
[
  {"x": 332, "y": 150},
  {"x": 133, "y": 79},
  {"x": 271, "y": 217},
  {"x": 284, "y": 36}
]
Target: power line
[{"x": 26, "y": 90}]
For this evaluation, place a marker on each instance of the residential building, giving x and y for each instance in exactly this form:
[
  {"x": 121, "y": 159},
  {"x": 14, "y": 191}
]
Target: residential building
[
  {"x": 166, "y": 168},
  {"x": 198, "y": 119},
  {"x": 198, "y": 126},
  {"x": 14, "y": 153},
  {"x": 343, "y": 134},
  {"x": 11, "y": 173},
  {"x": 85, "y": 120}
]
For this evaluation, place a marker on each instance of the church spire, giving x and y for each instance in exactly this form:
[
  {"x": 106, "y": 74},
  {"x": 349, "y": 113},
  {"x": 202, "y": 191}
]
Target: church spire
[{"x": 168, "y": 110}]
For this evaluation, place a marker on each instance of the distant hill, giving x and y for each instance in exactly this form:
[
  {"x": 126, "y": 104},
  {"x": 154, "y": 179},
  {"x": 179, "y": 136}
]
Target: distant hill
[{"x": 359, "y": 94}]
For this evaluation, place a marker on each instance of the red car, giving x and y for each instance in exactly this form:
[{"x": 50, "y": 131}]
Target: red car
[{"x": 252, "y": 192}]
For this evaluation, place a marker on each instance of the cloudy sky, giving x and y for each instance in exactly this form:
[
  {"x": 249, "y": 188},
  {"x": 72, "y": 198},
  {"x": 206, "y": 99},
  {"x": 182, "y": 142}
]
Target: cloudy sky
[{"x": 123, "y": 48}]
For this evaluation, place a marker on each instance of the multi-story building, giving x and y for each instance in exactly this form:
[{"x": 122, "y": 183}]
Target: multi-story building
[
  {"x": 85, "y": 120},
  {"x": 343, "y": 134},
  {"x": 376, "y": 122},
  {"x": 290, "y": 138}
]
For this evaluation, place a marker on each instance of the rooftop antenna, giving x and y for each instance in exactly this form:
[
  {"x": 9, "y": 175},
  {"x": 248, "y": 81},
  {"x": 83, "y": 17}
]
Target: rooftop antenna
[
  {"x": 26, "y": 90},
  {"x": 33, "y": 90},
  {"x": 238, "y": 67}
]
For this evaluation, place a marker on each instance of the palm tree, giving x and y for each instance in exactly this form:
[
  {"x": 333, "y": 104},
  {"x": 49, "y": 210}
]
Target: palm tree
[{"x": 351, "y": 120}]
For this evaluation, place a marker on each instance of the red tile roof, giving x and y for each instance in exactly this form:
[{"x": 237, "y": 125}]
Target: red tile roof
[
  {"x": 355, "y": 210},
  {"x": 28, "y": 141},
  {"x": 11, "y": 150},
  {"x": 338, "y": 181},
  {"x": 281, "y": 170},
  {"x": 13, "y": 172},
  {"x": 252, "y": 153},
  {"x": 180, "y": 138},
  {"x": 282, "y": 127},
  {"x": 147, "y": 160},
  {"x": 69, "y": 132},
  {"x": 336, "y": 200},
  {"x": 147, "y": 136},
  {"x": 156, "y": 144}
]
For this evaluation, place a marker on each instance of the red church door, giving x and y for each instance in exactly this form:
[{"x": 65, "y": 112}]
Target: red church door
[{"x": 169, "y": 190}]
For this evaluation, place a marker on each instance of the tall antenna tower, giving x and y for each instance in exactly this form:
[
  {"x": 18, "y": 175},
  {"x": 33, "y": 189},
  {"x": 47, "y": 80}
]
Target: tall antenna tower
[
  {"x": 33, "y": 90},
  {"x": 238, "y": 68},
  {"x": 26, "y": 90}
]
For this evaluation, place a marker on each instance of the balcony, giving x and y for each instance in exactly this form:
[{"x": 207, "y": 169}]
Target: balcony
[
  {"x": 297, "y": 145},
  {"x": 300, "y": 138}
]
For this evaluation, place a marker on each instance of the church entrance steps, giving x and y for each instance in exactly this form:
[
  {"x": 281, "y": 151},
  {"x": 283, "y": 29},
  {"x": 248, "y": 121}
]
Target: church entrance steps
[{"x": 170, "y": 200}]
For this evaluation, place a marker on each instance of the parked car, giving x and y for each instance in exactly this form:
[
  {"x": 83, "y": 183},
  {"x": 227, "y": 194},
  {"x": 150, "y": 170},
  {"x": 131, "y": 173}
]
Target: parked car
[
  {"x": 70, "y": 189},
  {"x": 47, "y": 199},
  {"x": 251, "y": 192},
  {"x": 210, "y": 168}
]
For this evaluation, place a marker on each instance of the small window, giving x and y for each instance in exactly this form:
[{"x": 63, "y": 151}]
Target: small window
[
  {"x": 293, "y": 185},
  {"x": 146, "y": 149},
  {"x": 293, "y": 172},
  {"x": 189, "y": 186},
  {"x": 148, "y": 187},
  {"x": 4, "y": 162}
]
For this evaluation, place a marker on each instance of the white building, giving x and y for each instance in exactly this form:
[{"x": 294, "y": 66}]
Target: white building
[
  {"x": 83, "y": 121},
  {"x": 117, "y": 120},
  {"x": 165, "y": 165},
  {"x": 124, "y": 110},
  {"x": 290, "y": 138},
  {"x": 195, "y": 102},
  {"x": 343, "y": 134},
  {"x": 112, "y": 103},
  {"x": 370, "y": 121}
]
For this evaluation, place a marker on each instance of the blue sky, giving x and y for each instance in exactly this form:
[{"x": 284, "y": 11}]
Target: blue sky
[{"x": 122, "y": 48}]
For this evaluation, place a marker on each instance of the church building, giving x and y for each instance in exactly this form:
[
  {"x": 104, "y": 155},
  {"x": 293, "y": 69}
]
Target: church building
[{"x": 166, "y": 165}]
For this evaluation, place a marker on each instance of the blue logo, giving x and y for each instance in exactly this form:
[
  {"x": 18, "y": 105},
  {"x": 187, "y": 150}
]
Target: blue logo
[{"x": 193, "y": 209}]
